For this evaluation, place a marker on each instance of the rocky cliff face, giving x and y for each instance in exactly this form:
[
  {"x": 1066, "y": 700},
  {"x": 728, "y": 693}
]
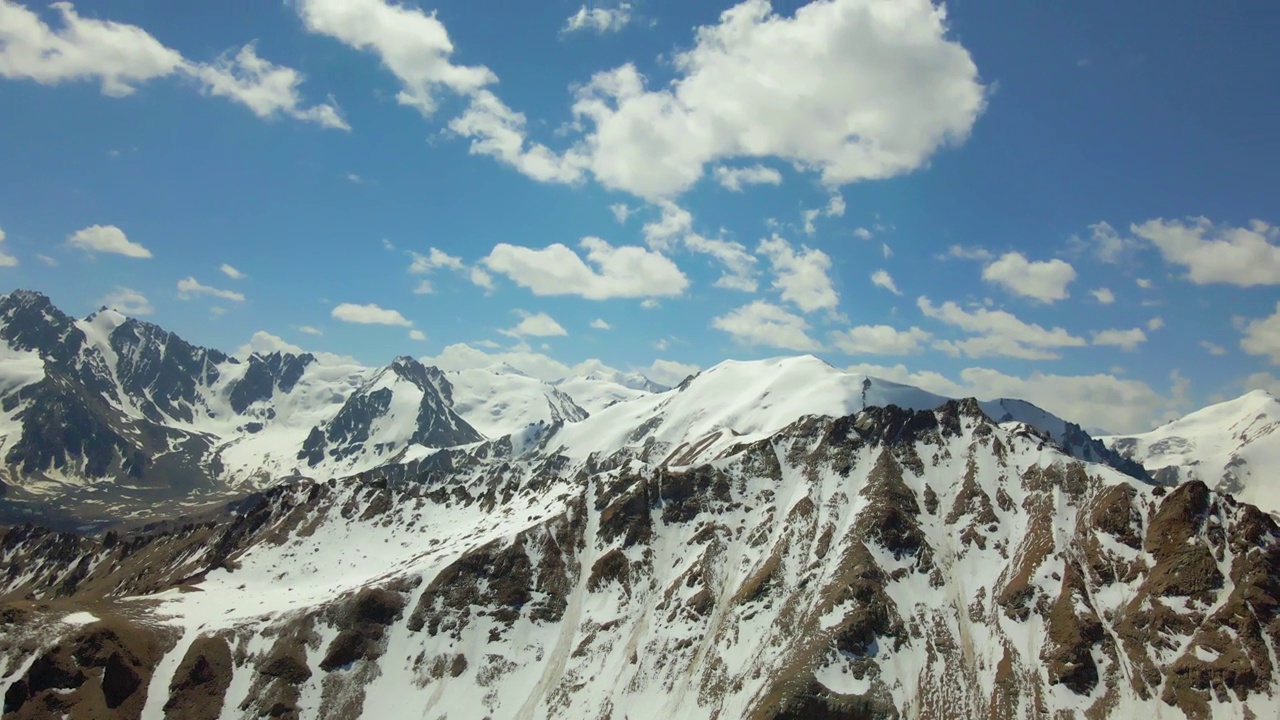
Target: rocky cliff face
[{"x": 886, "y": 564}]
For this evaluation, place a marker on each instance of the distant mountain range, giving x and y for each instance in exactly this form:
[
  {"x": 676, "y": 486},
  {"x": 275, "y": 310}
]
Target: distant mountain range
[{"x": 109, "y": 416}]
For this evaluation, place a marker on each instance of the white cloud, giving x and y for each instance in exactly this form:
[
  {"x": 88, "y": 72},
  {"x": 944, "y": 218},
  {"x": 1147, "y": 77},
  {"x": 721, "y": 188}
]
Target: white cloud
[
  {"x": 309, "y": 330},
  {"x": 650, "y": 304},
  {"x": 189, "y": 287},
  {"x": 809, "y": 218},
  {"x": 1213, "y": 349},
  {"x": 669, "y": 372},
  {"x": 1043, "y": 281},
  {"x": 879, "y": 340},
  {"x": 835, "y": 206},
  {"x": 120, "y": 57},
  {"x": 417, "y": 335},
  {"x": 7, "y": 260},
  {"x": 356, "y": 179},
  {"x": 107, "y": 239},
  {"x": 264, "y": 343},
  {"x": 127, "y": 301},
  {"x": 1155, "y": 323},
  {"x": 435, "y": 258},
  {"x": 1108, "y": 245},
  {"x": 882, "y": 279},
  {"x": 536, "y": 325},
  {"x": 883, "y": 89},
  {"x": 424, "y": 287},
  {"x": 498, "y": 131},
  {"x": 736, "y": 178},
  {"x": 765, "y": 324},
  {"x": 231, "y": 272},
  {"x": 802, "y": 277},
  {"x": 962, "y": 252},
  {"x": 674, "y": 223},
  {"x": 863, "y": 234},
  {"x": 267, "y": 89},
  {"x": 600, "y": 324},
  {"x": 886, "y": 251},
  {"x": 481, "y": 279},
  {"x": 998, "y": 333},
  {"x": 1143, "y": 283},
  {"x": 1123, "y": 339},
  {"x": 1241, "y": 256},
  {"x": 1103, "y": 296},
  {"x": 1094, "y": 401},
  {"x": 1262, "y": 337},
  {"x": 413, "y": 45},
  {"x": 739, "y": 265},
  {"x": 461, "y": 356},
  {"x": 614, "y": 272},
  {"x": 621, "y": 211},
  {"x": 116, "y": 55},
  {"x": 599, "y": 20},
  {"x": 1263, "y": 381},
  {"x": 369, "y": 315}
]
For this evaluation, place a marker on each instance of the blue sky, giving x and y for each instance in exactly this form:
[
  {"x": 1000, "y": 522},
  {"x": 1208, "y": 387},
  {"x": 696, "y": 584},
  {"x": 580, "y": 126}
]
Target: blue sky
[{"x": 1071, "y": 205}]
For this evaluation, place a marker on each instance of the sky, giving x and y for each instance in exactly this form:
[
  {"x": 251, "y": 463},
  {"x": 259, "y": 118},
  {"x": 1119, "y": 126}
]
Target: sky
[{"x": 1073, "y": 205}]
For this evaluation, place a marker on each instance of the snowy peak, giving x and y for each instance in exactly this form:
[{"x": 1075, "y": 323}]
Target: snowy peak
[
  {"x": 499, "y": 403},
  {"x": 1233, "y": 447}
]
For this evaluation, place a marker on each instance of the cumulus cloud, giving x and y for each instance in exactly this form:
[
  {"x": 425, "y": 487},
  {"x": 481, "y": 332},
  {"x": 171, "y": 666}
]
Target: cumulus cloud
[
  {"x": 1103, "y": 296},
  {"x": 413, "y": 45},
  {"x": 621, "y": 211},
  {"x": 1043, "y": 281},
  {"x": 1155, "y": 323},
  {"x": 1098, "y": 401},
  {"x": 764, "y": 324},
  {"x": 120, "y": 57},
  {"x": 737, "y": 178},
  {"x": 107, "y": 239},
  {"x": 802, "y": 276},
  {"x": 669, "y": 372},
  {"x": 1108, "y": 245},
  {"x": 1212, "y": 348},
  {"x": 599, "y": 20},
  {"x": 739, "y": 265},
  {"x": 882, "y": 279},
  {"x": 497, "y": 131},
  {"x": 1262, "y": 337},
  {"x": 600, "y": 324},
  {"x": 612, "y": 272},
  {"x": 435, "y": 258},
  {"x": 884, "y": 89},
  {"x": 267, "y": 89},
  {"x": 998, "y": 333},
  {"x": 189, "y": 288},
  {"x": 6, "y": 260},
  {"x": 1241, "y": 256},
  {"x": 309, "y": 330},
  {"x": 231, "y": 272},
  {"x": 264, "y": 343},
  {"x": 672, "y": 224},
  {"x": 536, "y": 325},
  {"x": 370, "y": 314},
  {"x": 461, "y": 356},
  {"x": 417, "y": 335},
  {"x": 1123, "y": 339},
  {"x": 962, "y": 252},
  {"x": 127, "y": 301},
  {"x": 879, "y": 340}
]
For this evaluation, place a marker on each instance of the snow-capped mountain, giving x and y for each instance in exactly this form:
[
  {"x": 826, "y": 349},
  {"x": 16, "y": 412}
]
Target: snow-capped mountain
[
  {"x": 107, "y": 414},
  {"x": 889, "y": 563},
  {"x": 1233, "y": 447}
]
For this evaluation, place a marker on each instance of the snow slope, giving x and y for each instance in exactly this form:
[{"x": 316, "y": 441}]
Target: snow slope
[
  {"x": 1233, "y": 447},
  {"x": 893, "y": 564},
  {"x": 501, "y": 401}
]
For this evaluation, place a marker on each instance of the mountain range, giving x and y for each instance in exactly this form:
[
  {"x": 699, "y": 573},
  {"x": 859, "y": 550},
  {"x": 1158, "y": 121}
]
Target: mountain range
[{"x": 772, "y": 540}]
